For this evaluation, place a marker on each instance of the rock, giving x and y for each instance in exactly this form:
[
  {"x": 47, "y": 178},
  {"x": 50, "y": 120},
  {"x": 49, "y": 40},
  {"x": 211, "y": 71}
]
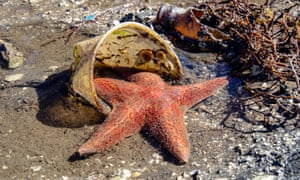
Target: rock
[
  {"x": 36, "y": 168},
  {"x": 123, "y": 174},
  {"x": 265, "y": 177},
  {"x": 13, "y": 77},
  {"x": 136, "y": 174},
  {"x": 156, "y": 159},
  {"x": 34, "y": 1},
  {"x": 10, "y": 57},
  {"x": 52, "y": 68},
  {"x": 77, "y": 2}
]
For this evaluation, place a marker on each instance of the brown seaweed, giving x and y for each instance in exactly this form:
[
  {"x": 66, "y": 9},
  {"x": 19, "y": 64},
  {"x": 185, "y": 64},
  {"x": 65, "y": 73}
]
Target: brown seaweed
[{"x": 259, "y": 41}]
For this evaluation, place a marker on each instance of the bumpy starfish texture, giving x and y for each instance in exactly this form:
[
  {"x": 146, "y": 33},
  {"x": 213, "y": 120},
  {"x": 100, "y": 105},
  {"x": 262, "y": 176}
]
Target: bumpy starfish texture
[{"x": 147, "y": 101}]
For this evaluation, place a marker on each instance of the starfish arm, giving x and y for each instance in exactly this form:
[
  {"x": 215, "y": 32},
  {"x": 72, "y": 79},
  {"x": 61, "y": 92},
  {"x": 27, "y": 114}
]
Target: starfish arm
[
  {"x": 147, "y": 79},
  {"x": 113, "y": 90},
  {"x": 166, "y": 124},
  {"x": 122, "y": 122},
  {"x": 190, "y": 95}
]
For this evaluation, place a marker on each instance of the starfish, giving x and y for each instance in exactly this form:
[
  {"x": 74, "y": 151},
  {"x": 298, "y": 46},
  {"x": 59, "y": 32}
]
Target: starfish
[{"x": 147, "y": 101}]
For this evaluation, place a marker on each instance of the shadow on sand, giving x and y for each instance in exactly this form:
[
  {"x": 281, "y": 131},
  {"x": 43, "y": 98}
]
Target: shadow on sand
[{"x": 58, "y": 108}]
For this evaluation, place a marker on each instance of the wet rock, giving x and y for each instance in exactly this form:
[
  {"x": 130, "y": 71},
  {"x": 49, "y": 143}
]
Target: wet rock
[{"x": 10, "y": 57}]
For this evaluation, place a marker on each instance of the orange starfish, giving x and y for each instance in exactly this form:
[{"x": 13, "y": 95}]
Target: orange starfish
[{"x": 147, "y": 101}]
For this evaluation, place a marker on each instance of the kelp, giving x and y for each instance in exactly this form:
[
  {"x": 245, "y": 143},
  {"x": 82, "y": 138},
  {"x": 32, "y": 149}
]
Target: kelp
[{"x": 261, "y": 42}]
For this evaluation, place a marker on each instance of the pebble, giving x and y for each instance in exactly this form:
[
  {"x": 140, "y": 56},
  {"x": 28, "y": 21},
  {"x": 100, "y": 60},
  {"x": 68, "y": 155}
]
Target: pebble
[
  {"x": 36, "y": 168},
  {"x": 123, "y": 174},
  {"x": 196, "y": 164},
  {"x": 11, "y": 55},
  {"x": 14, "y": 77},
  {"x": 265, "y": 177},
  {"x": 53, "y": 68},
  {"x": 136, "y": 174},
  {"x": 34, "y": 1},
  {"x": 116, "y": 22},
  {"x": 183, "y": 176},
  {"x": 126, "y": 173},
  {"x": 195, "y": 172},
  {"x": 156, "y": 159},
  {"x": 77, "y": 2},
  {"x": 65, "y": 178},
  {"x": 180, "y": 178}
]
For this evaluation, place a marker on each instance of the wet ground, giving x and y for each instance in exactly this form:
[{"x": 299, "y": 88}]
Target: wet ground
[{"x": 39, "y": 132}]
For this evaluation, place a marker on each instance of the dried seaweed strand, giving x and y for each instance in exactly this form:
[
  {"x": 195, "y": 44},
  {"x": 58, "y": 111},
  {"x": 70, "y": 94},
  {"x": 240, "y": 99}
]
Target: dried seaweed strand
[{"x": 271, "y": 40}]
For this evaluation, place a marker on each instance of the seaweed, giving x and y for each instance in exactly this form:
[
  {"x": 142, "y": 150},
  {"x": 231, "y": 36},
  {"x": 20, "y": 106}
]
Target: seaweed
[{"x": 260, "y": 41}]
